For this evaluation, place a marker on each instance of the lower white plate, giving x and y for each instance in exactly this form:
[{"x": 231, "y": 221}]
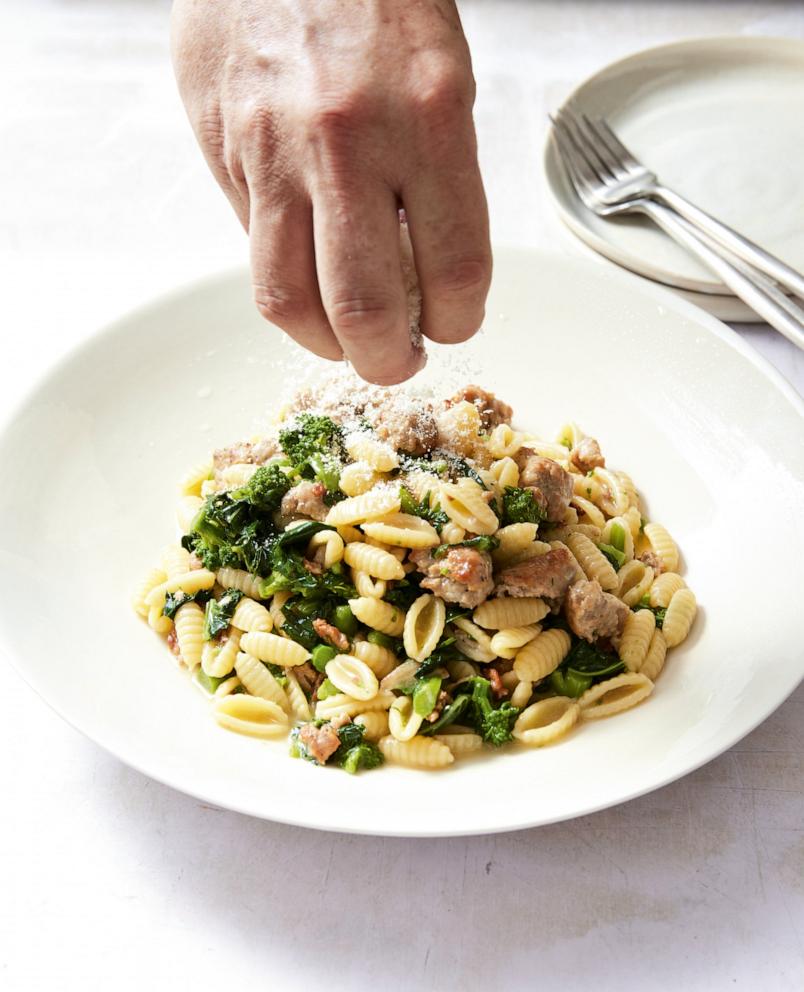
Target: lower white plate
[
  {"x": 719, "y": 120},
  {"x": 709, "y": 432}
]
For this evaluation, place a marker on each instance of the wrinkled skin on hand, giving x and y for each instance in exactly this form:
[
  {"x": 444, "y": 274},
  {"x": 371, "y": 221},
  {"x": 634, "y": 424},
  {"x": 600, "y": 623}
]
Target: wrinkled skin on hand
[{"x": 319, "y": 119}]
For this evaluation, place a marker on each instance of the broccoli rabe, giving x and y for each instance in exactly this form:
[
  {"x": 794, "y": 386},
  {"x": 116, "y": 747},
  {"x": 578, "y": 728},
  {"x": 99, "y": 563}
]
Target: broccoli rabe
[
  {"x": 352, "y": 754},
  {"x": 483, "y": 542},
  {"x": 614, "y": 555},
  {"x": 174, "y": 600},
  {"x": 265, "y": 488},
  {"x": 520, "y": 507},
  {"x": 313, "y": 444},
  {"x": 219, "y": 613},
  {"x": 474, "y": 707},
  {"x": 422, "y": 508}
]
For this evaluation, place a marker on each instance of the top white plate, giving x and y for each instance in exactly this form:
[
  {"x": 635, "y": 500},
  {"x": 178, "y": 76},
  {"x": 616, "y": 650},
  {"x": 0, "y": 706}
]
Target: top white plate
[
  {"x": 706, "y": 428},
  {"x": 720, "y": 121}
]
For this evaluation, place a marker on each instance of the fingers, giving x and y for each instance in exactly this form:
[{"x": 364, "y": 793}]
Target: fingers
[
  {"x": 449, "y": 230},
  {"x": 284, "y": 276},
  {"x": 360, "y": 278}
]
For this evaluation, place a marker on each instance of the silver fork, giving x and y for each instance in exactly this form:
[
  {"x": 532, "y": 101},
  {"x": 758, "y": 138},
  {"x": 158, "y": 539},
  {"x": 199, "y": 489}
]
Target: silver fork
[
  {"x": 593, "y": 184},
  {"x": 632, "y": 178}
]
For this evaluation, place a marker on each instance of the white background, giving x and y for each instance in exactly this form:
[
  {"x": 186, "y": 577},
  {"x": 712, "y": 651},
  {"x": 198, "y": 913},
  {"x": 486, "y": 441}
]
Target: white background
[{"x": 108, "y": 880}]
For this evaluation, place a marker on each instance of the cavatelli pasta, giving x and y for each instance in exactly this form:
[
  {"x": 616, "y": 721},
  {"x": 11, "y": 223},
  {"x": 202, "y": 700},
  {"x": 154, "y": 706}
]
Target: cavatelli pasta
[
  {"x": 466, "y": 506},
  {"x": 546, "y": 721},
  {"x": 358, "y": 478},
  {"x": 664, "y": 587},
  {"x": 175, "y": 560},
  {"x": 375, "y": 724},
  {"x": 366, "y": 586},
  {"x": 636, "y": 579},
  {"x": 368, "y": 506},
  {"x": 473, "y": 641},
  {"x": 378, "y": 615},
  {"x": 274, "y": 649},
  {"x": 251, "y": 715},
  {"x": 235, "y": 578},
  {"x": 251, "y": 616},
  {"x": 259, "y": 681},
  {"x": 654, "y": 659},
  {"x": 190, "y": 633},
  {"x": 379, "y": 659},
  {"x": 506, "y": 642},
  {"x": 679, "y": 616},
  {"x": 373, "y": 561},
  {"x": 299, "y": 707},
  {"x": 594, "y": 563},
  {"x": 541, "y": 656},
  {"x": 217, "y": 660},
  {"x": 635, "y": 639},
  {"x": 420, "y": 752},
  {"x": 424, "y": 625},
  {"x": 615, "y": 695},
  {"x": 379, "y": 455},
  {"x": 150, "y": 581},
  {"x": 460, "y": 744},
  {"x": 507, "y": 611},
  {"x": 402, "y": 530},
  {"x": 327, "y": 546},
  {"x": 353, "y": 677},
  {"x": 662, "y": 545}
]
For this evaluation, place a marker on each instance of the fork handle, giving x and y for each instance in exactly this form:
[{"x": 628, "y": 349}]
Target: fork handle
[
  {"x": 756, "y": 290},
  {"x": 747, "y": 250}
]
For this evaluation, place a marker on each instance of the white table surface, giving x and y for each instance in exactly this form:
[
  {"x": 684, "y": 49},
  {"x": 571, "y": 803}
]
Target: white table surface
[{"x": 111, "y": 881}]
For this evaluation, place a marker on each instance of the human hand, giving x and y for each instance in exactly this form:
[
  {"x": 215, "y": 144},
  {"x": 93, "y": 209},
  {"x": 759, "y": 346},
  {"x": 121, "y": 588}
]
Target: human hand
[{"x": 319, "y": 118}]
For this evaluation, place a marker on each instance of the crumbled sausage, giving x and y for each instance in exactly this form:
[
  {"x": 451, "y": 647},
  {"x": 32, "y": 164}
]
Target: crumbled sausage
[
  {"x": 313, "y": 567},
  {"x": 304, "y": 500},
  {"x": 413, "y": 431},
  {"x": 592, "y": 613},
  {"x": 652, "y": 560},
  {"x": 587, "y": 455},
  {"x": 308, "y": 678},
  {"x": 251, "y": 453},
  {"x": 462, "y": 576},
  {"x": 329, "y": 632},
  {"x": 444, "y": 699},
  {"x": 320, "y": 742},
  {"x": 547, "y": 576},
  {"x": 493, "y": 412},
  {"x": 498, "y": 690},
  {"x": 550, "y": 484},
  {"x": 173, "y": 642}
]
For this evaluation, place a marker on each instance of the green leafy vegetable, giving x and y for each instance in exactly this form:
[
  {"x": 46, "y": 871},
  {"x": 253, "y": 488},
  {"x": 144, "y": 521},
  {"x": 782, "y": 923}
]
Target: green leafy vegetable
[
  {"x": 174, "y": 600},
  {"x": 483, "y": 542},
  {"x": 355, "y": 752},
  {"x": 614, "y": 555},
  {"x": 450, "y": 714},
  {"x": 321, "y": 655},
  {"x": 494, "y": 724},
  {"x": 589, "y": 659},
  {"x": 208, "y": 682},
  {"x": 219, "y": 613},
  {"x": 617, "y": 536},
  {"x": 432, "y": 514},
  {"x": 314, "y": 445},
  {"x": 385, "y": 641},
  {"x": 425, "y": 696},
  {"x": 520, "y": 507},
  {"x": 327, "y": 689},
  {"x": 265, "y": 488},
  {"x": 569, "y": 683},
  {"x": 404, "y": 591}
]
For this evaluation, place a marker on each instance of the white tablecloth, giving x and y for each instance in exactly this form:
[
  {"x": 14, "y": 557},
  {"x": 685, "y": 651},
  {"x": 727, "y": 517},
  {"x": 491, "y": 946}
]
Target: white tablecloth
[{"x": 110, "y": 881}]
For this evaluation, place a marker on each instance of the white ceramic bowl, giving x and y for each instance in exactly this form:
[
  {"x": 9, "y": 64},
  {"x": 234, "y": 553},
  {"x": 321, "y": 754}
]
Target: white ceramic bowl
[{"x": 710, "y": 433}]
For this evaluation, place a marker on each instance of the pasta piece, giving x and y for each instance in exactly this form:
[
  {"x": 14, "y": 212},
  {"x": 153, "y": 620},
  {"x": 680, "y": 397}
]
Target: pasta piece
[
  {"x": 654, "y": 660},
  {"x": 422, "y": 484},
  {"x": 570, "y": 436},
  {"x": 235, "y": 578},
  {"x": 462, "y": 425},
  {"x": 505, "y": 643},
  {"x": 378, "y": 615},
  {"x": 378, "y": 502},
  {"x": 299, "y": 707},
  {"x": 541, "y": 656},
  {"x": 190, "y": 484},
  {"x": 237, "y": 475},
  {"x": 635, "y": 639},
  {"x": 420, "y": 752},
  {"x": 251, "y": 616},
  {"x": 451, "y": 533},
  {"x": 612, "y": 496},
  {"x": 274, "y": 649},
  {"x": 352, "y": 676},
  {"x": 188, "y": 582},
  {"x": 517, "y": 543},
  {"x": 633, "y": 518},
  {"x": 472, "y": 640},
  {"x": 664, "y": 587},
  {"x": 358, "y": 478},
  {"x": 400, "y": 675},
  {"x": 546, "y": 721},
  {"x": 373, "y": 561},
  {"x": 635, "y": 582},
  {"x": 150, "y": 581},
  {"x": 349, "y": 533},
  {"x": 505, "y": 472},
  {"x": 227, "y": 687},
  {"x": 504, "y": 441},
  {"x": 379, "y": 659},
  {"x": 403, "y": 530},
  {"x": 259, "y": 681},
  {"x": 186, "y": 511},
  {"x": 460, "y": 671},
  {"x": 158, "y": 621},
  {"x": 218, "y": 660},
  {"x": 679, "y": 617},
  {"x": 662, "y": 545},
  {"x": 590, "y": 513},
  {"x": 366, "y": 586},
  {"x": 189, "y": 623},
  {"x": 275, "y": 608},
  {"x": 375, "y": 725},
  {"x": 460, "y": 744},
  {"x": 614, "y": 695},
  {"x": 403, "y": 721},
  {"x": 175, "y": 560},
  {"x": 521, "y": 693},
  {"x": 593, "y": 562},
  {"x": 424, "y": 625},
  {"x": 342, "y": 705},
  {"x": 365, "y": 448},
  {"x": 251, "y": 715},
  {"x": 630, "y": 491},
  {"x": 509, "y": 611},
  {"x": 465, "y": 506},
  {"x": 327, "y": 546}
]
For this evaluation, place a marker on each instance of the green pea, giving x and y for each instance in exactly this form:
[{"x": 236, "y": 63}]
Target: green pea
[
  {"x": 345, "y": 620},
  {"x": 320, "y": 655}
]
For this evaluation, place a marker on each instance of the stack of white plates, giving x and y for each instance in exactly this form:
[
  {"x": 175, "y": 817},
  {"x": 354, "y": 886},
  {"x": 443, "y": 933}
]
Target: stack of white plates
[{"x": 720, "y": 120}]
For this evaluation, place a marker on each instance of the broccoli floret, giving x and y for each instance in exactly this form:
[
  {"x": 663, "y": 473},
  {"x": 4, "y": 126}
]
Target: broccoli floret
[
  {"x": 264, "y": 489},
  {"x": 355, "y": 752},
  {"x": 520, "y": 507},
  {"x": 422, "y": 508},
  {"x": 493, "y": 724},
  {"x": 311, "y": 435},
  {"x": 483, "y": 542}
]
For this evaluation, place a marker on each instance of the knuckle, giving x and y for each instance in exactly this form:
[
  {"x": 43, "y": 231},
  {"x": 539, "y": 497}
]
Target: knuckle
[
  {"x": 445, "y": 92},
  {"x": 337, "y": 117},
  {"x": 363, "y": 313},
  {"x": 259, "y": 129},
  {"x": 210, "y": 130},
  {"x": 465, "y": 275},
  {"x": 281, "y": 304}
]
